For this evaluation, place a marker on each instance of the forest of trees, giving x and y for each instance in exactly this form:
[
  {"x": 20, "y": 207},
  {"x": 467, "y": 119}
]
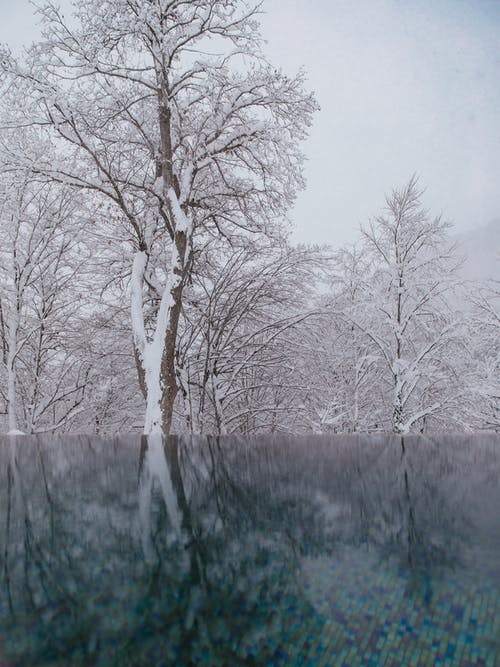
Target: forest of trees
[{"x": 148, "y": 157}]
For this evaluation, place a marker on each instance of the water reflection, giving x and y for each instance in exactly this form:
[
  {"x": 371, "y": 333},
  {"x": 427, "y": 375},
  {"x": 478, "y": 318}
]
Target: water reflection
[{"x": 235, "y": 551}]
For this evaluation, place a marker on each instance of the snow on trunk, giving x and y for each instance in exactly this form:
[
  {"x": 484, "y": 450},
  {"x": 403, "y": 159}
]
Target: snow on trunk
[{"x": 156, "y": 355}]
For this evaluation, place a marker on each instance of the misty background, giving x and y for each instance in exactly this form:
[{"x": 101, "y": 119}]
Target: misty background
[{"x": 404, "y": 88}]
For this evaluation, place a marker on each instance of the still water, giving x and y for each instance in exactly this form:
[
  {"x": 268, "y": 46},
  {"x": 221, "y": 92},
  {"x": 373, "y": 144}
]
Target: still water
[{"x": 340, "y": 551}]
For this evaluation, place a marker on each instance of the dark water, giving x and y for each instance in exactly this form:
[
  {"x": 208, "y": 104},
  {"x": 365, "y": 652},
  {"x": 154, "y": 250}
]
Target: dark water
[{"x": 320, "y": 551}]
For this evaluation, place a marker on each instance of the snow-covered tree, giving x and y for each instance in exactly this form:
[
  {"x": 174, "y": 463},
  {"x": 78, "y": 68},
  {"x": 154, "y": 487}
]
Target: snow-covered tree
[
  {"x": 168, "y": 110},
  {"x": 483, "y": 360},
  {"x": 345, "y": 370},
  {"x": 406, "y": 311},
  {"x": 243, "y": 318},
  {"x": 44, "y": 378}
]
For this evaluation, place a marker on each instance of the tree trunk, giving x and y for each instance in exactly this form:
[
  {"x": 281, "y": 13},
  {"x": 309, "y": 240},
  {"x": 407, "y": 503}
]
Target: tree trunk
[{"x": 156, "y": 359}]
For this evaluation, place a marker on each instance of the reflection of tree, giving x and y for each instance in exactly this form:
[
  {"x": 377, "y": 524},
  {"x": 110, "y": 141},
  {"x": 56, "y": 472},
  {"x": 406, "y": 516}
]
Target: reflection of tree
[
  {"x": 233, "y": 580},
  {"x": 55, "y": 586},
  {"x": 215, "y": 575},
  {"x": 206, "y": 560},
  {"x": 400, "y": 505},
  {"x": 438, "y": 525},
  {"x": 418, "y": 560}
]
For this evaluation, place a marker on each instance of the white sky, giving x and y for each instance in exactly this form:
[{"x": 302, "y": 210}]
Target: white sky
[{"x": 404, "y": 86}]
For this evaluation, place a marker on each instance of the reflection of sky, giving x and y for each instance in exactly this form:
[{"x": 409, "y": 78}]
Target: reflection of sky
[{"x": 404, "y": 87}]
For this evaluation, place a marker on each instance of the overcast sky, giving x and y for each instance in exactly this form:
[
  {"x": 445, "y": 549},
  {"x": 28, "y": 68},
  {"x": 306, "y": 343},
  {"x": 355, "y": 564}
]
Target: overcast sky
[{"x": 404, "y": 86}]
